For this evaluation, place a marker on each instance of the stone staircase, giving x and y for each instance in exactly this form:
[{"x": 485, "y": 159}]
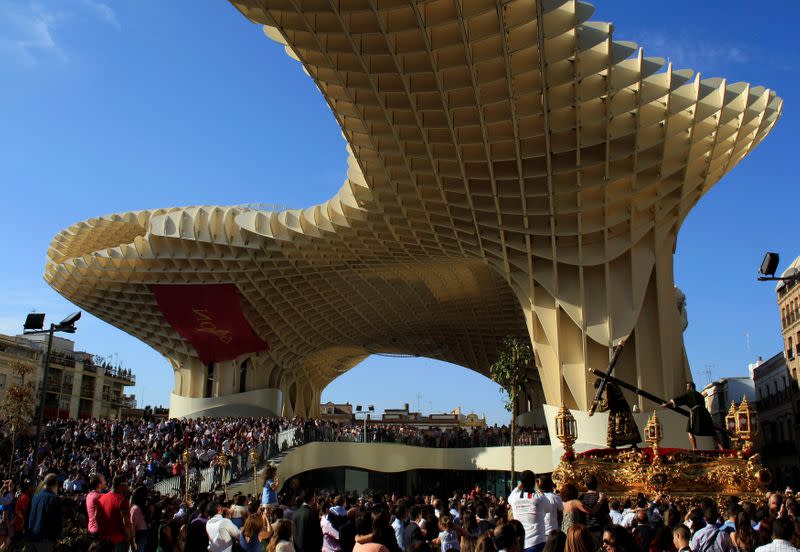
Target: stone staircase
[{"x": 244, "y": 485}]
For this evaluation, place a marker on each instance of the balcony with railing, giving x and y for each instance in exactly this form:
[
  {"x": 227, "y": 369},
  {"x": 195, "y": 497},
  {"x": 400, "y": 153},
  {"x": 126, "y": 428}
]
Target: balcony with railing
[
  {"x": 773, "y": 400},
  {"x": 120, "y": 373},
  {"x": 792, "y": 316},
  {"x": 62, "y": 359}
]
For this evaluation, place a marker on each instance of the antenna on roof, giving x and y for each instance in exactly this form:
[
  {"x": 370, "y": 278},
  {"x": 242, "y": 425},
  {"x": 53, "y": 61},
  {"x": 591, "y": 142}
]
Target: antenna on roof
[{"x": 707, "y": 372}]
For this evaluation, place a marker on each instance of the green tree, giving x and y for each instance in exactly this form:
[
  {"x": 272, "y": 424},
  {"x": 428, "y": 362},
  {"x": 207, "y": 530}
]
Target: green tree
[
  {"x": 19, "y": 404},
  {"x": 510, "y": 372}
]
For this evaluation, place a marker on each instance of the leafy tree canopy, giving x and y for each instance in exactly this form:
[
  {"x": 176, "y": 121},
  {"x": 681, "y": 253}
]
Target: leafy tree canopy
[{"x": 511, "y": 369}]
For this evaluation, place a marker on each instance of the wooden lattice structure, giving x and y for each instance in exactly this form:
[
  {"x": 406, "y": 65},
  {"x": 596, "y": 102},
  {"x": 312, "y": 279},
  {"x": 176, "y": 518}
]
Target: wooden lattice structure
[{"x": 513, "y": 170}]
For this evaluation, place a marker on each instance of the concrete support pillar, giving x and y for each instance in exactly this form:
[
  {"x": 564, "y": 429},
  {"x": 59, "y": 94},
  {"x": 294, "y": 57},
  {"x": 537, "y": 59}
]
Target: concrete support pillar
[
  {"x": 97, "y": 403},
  {"x": 75, "y": 394}
]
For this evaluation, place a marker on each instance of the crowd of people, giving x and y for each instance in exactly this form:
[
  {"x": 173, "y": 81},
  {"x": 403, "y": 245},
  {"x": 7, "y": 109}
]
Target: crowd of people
[
  {"x": 535, "y": 517},
  {"x": 435, "y": 437},
  {"x": 144, "y": 451},
  {"x": 148, "y": 451},
  {"x": 88, "y": 486}
]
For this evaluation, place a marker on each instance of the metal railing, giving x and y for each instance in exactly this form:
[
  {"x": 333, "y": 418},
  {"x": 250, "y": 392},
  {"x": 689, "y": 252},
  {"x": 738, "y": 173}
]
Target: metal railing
[
  {"x": 377, "y": 434},
  {"x": 205, "y": 480}
]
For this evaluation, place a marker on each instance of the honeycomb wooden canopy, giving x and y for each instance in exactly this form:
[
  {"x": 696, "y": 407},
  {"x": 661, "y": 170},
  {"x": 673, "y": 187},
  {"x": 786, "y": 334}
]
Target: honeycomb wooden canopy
[{"x": 512, "y": 170}]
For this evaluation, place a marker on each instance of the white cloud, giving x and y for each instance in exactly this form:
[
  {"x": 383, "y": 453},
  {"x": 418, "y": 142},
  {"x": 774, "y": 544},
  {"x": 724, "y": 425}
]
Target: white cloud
[
  {"x": 103, "y": 11},
  {"x": 692, "y": 50},
  {"x": 26, "y": 32},
  {"x": 27, "y": 29}
]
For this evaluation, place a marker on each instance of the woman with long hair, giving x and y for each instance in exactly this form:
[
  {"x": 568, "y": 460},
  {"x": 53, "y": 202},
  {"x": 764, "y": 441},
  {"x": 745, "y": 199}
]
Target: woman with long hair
[
  {"x": 744, "y": 538},
  {"x": 281, "y": 540},
  {"x": 269, "y": 493},
  {"x": 485, "y": 543},
  {"x": 140, "y": 516},
  {"x": 248, "y": 538},
  {"x": 579, "y": 539},
  {"x": 469, "y": 524},
  {"x": 573, "y": 507},
  {"x": 367, "y": 525},
  {"x": 468, "y": 543},
  {"x": 617, "y": 539}
]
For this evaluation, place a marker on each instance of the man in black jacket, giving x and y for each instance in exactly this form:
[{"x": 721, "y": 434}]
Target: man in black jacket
[
  {"x": 413, "y": 534},
  {"x": 481, "y": 516},
  {"x": 45, "y": 520},
  {"x": 306, "y": 530}
]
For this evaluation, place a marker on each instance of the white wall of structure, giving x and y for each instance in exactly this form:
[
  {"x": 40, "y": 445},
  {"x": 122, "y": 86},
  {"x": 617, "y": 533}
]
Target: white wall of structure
[{"x": 259, "y": 402}]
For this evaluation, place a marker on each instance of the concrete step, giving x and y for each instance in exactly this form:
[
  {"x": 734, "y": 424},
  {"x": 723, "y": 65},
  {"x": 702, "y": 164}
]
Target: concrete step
[{"x": 245, "y": 485}]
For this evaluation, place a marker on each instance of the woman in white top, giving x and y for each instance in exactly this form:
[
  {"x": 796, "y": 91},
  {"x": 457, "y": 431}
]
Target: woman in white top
[{"x": 281, "y": 540}]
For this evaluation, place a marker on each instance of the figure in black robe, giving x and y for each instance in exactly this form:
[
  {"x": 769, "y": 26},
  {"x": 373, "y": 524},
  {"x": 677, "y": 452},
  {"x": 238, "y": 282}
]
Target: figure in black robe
[
  {"x": 700, "y": 422},
  {"x": 622, "y": 428}
]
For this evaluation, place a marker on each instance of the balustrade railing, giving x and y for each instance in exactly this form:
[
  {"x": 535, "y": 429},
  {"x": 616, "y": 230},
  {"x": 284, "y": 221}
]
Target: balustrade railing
[{"x": 209, "y": 479}]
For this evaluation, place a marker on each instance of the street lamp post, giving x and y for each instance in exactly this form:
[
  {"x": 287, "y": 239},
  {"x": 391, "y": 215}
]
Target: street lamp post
[
  {"x": 34, "y": 325},
  {"x": 367, "y": 409}
]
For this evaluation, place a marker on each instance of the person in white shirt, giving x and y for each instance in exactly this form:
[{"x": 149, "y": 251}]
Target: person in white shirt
[
  {"x": 530, "y": 506},
  {"x": 782, "y": 533},
  {"x": 221, "y": 531},
  {"x": 615, "y": 512},
  {"x": 554, "y": 510},
  {"x": 399, "y": 524}
]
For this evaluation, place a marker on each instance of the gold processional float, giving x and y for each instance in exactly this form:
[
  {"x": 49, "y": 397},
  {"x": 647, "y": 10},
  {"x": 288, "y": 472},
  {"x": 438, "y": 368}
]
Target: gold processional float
[{"x": 679, "y": 474}]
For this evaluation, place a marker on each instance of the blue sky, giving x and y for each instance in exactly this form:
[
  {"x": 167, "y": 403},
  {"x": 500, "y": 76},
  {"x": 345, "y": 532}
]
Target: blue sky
[{"x": 117, "y": 106}]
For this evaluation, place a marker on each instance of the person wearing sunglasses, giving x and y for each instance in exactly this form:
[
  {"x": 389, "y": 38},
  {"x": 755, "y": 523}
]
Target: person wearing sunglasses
[{"x": 617, "y": 539}]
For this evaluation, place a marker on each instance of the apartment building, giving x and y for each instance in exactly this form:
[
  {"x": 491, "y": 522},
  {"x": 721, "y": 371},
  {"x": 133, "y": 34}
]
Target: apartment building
[{"x": 79, "y": 384}]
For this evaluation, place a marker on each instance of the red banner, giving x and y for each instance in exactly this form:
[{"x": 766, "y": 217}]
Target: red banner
[{"x": 210, "y": 317}]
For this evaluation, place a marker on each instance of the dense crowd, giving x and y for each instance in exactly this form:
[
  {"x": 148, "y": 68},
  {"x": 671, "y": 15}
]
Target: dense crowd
[
  {"x": 148, "y": 451},
  {"x": 435, "y": 437},
  {"x": 89, "y": 486},
  {"x": 143, "y": 451},
  {"x": 533, "y": 518}
]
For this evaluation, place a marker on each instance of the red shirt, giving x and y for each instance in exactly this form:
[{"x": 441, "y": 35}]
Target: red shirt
[
  {"x": 91, "y": 509},
  {"x": 21, "y": 512},
  {"x": 110, "y": 510}
]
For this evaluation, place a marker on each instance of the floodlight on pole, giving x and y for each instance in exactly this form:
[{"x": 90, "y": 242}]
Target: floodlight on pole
[
  {"x": 769, "y": 266},
  {"x": 34, "y": 321},
  {"x": 68, "y": 324},
  {"x": 34, "y": 325}
]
